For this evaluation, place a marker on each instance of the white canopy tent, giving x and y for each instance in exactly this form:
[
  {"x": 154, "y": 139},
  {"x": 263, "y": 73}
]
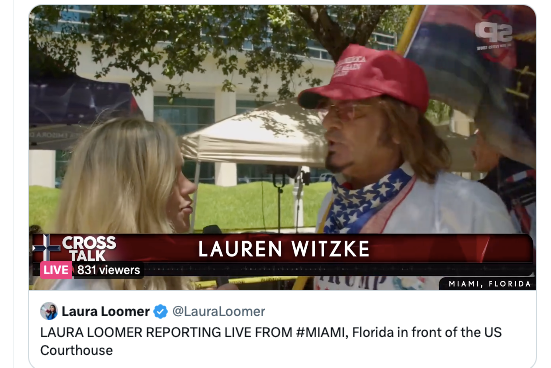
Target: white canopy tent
[{"x": 282, "y": 133}]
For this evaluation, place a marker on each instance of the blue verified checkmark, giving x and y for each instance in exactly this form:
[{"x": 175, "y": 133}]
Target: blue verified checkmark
[{"x": 160, "y": 311}]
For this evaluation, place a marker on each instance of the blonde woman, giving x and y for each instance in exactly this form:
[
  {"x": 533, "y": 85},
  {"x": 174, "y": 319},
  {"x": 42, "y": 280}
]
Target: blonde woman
[{"x": 125, "y": 177}]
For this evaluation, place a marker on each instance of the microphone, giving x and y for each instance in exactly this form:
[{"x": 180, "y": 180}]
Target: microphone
[{"x": 214, "y": 230}]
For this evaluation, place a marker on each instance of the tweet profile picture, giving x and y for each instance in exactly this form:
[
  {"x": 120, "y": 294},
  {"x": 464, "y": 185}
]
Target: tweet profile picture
[{"x": 48, "y": 311}]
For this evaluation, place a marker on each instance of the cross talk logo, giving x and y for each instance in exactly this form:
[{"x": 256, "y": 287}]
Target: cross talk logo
[
  {"x": 497, "y": 31},
  {"x": 81, "y": 248},
  {"x": 46, "y": 247}
]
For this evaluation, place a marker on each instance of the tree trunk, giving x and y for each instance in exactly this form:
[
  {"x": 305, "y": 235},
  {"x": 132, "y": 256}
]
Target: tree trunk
[{"x": 331, "y": 35}]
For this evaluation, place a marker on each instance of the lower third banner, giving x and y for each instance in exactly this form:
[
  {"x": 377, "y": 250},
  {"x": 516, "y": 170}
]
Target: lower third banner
[
  {"x": 289, "y": 248},
  {"x": 136, "y": 256}
]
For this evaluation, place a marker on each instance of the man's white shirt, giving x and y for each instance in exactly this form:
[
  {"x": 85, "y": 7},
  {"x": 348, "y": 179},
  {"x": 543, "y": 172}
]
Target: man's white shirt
[{"x": 453, "y": 205}]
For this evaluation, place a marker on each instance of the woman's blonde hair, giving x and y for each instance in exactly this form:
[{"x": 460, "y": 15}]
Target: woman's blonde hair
[
  {"x": 420, "y": 144},
  {"x": 118, "y": 181}
]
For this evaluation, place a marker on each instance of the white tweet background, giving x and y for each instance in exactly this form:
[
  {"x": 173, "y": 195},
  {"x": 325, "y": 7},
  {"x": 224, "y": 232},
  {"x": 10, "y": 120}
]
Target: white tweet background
[
  {"x": 517, "y": 308},
  {"x": 513, "y": 311}
]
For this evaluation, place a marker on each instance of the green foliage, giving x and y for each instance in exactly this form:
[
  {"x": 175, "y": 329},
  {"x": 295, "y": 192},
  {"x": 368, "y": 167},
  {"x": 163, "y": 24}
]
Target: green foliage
[
  {"x": 52, "y": 53},
  {"x": 395, "y": 19},
  {"x": 179, "y": 38},
  {"x": 438, "y": 112}
]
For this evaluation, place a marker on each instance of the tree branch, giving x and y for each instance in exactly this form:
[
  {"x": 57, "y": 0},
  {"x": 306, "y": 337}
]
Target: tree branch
[
  {"x": 367, "y": 23},
  {"x": 309, "y": 17},
  {"x": 326, "y": 30},
  {"x": 325, "y": 20}
]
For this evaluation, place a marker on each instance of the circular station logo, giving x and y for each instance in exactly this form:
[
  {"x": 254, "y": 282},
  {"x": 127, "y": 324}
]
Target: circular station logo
[{"x": 497, "y": 32}]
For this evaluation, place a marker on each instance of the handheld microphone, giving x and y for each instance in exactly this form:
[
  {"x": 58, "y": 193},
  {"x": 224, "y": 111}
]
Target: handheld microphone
[{"x": 214, "y": 230}]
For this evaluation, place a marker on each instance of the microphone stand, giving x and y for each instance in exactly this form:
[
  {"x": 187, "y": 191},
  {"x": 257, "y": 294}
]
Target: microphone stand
[{"x": 303, "y": 179}]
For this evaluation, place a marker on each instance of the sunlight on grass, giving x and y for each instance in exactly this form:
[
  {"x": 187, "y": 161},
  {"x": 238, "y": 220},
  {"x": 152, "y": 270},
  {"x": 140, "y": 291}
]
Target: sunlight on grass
[
  {"x": 42, "y": 205},
  {"x": 245, "y": 206}
]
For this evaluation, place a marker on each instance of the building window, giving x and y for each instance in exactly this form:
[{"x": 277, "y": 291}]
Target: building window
[
  {"x": 315, "y": 174},
  {"x": 185, "y": 115},
  {"x": 206, "y": 172},
  {"x": 188, "y": 115},
  {"x": 242, "y": 106}
]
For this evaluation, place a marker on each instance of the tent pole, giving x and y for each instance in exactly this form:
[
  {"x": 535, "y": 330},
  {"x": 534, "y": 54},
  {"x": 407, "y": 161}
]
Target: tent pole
[
  {"x": 299, "y": 221},
  {"x": 196, "y": 182}
]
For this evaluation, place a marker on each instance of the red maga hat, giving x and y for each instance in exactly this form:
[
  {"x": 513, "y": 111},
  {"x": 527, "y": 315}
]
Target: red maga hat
[{"x": 363, "y": 73}]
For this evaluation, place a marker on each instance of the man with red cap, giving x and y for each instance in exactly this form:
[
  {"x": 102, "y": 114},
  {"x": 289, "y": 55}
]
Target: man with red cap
[{"x": 389, "y": 163}]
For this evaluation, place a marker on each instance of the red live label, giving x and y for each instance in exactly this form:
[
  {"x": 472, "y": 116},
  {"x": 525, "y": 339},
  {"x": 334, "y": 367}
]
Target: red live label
[{"x": 56, "y": 270}]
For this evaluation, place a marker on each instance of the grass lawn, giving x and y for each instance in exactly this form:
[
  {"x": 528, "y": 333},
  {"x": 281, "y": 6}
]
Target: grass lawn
[{"x": 245, "y": 206}]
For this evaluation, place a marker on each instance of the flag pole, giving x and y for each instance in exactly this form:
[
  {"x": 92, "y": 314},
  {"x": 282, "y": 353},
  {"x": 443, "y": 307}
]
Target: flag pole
[{"x": 410, "y": 28}]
